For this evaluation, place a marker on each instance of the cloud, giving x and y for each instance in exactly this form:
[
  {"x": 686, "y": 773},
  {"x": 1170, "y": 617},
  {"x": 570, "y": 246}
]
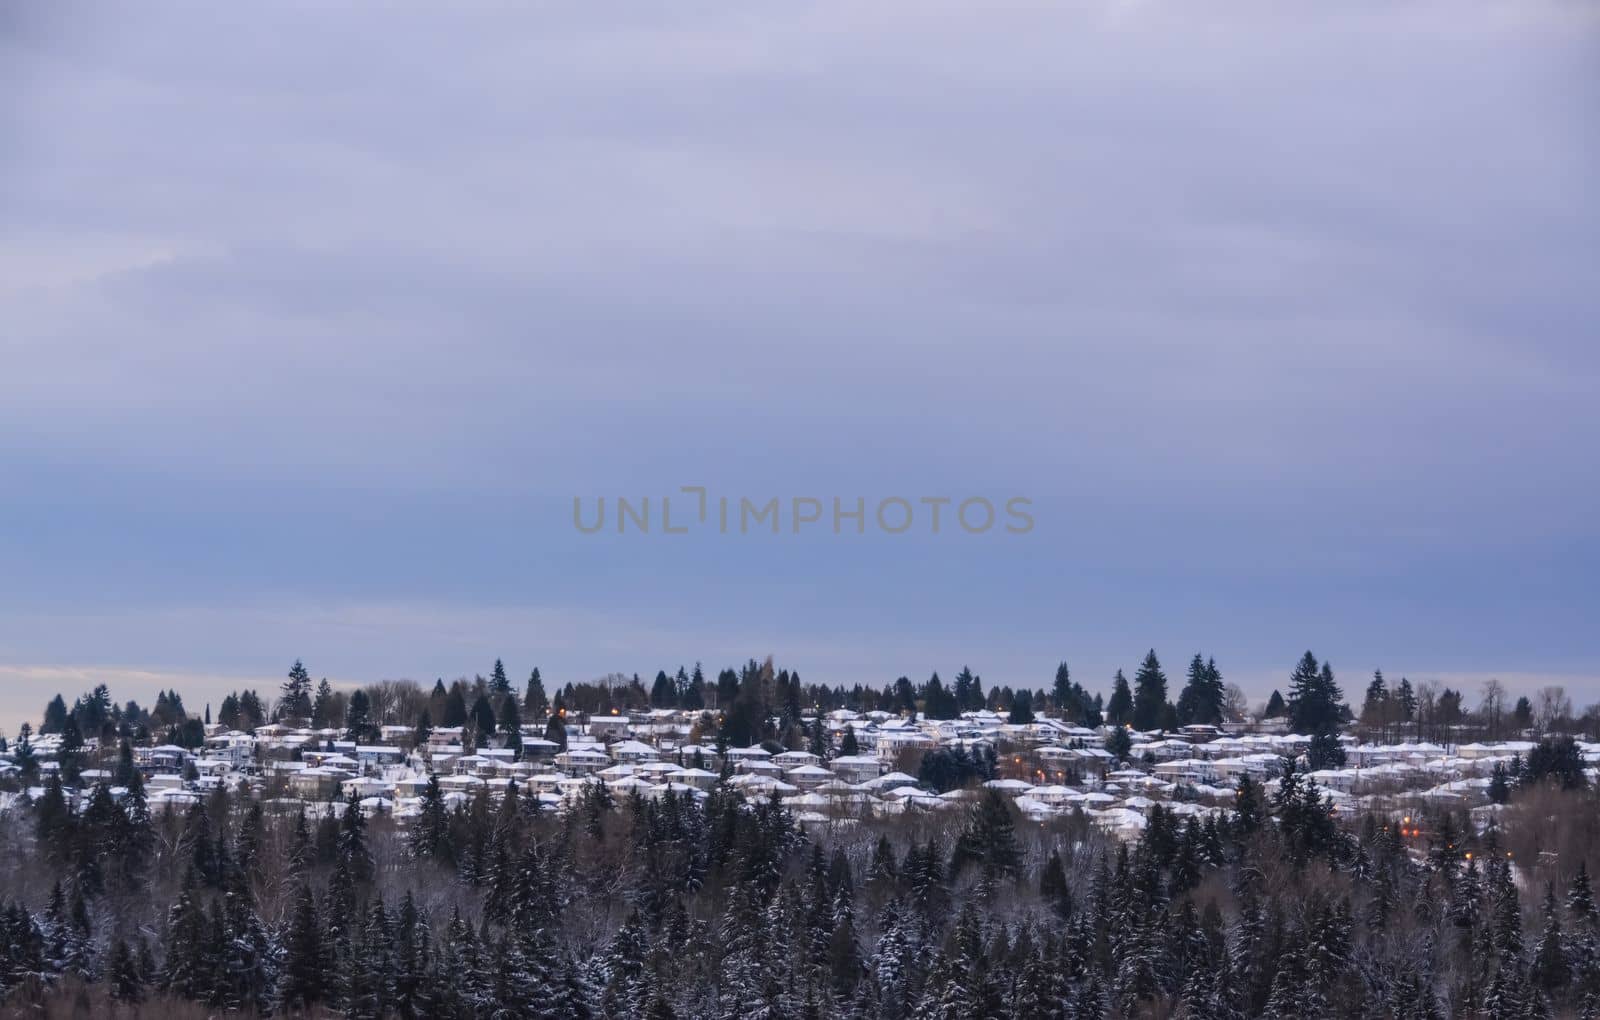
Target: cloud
[{"x": 1281, "y": 313}]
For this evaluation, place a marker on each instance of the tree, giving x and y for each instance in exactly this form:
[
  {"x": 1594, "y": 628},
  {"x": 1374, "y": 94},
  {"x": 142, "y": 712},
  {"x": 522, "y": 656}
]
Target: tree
[
  {"x": 1325, "y": 752},
  {"x": 1119, "y": 710},
  {"x": 1557, "y": 760},
  {"x": 1550, "y": 971},
  {"x": 990, "y": 838},
  {"x": 847, "y": 744},
  {"x": 1021, "y": 708},
  {"x": 1149, "y": 693},
  {"x": 968, "y": 691},
  {"x": 511, "y": 726},
  {"x": 357, "y": 721},
  {"x": 455, "y": 707},
  {"x": 663, "y": 692},
  {"x": 69, "y": 752},
  {"x": 294, "y": 701},
  {"x": 429, "y": 837},
  {"x": 1201, "y": 700},
  {"x": 123, "y": 976},
  {"x": 1119, "y": 743},
  {"x": 1499, "y": 785},
  {"x": 499, "y": 686},
  {"x": 483, "y": 720},
  {"x": 1492, "y": 707},
  {"x": 24, "y": 757},
  {"x": 322, "y": 706},
  {"x": 1551, "y": 707},
  {"x": 1522, "y": 714},
  {"x": 1375, "y": 710},
  {"x": 1062, "y": 694},
  {"x": 1315, "y": 702},
  {"x": 1276, "y": 708},
  {"x": 937, "y": 702},
  {"x": 1405, "y": 701},
  {"x": 303, "y": 975},
  {"x": 535, "y": 700},
  {"x": 1250, "y": 805},
  {"x": 1235, "y": 703},
  {"x": 55, "y": 716},
  {"x": 555, "y": 731}
]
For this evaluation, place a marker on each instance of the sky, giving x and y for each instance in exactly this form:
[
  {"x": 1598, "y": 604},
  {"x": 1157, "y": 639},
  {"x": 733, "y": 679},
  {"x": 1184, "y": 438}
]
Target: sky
[{"x": 315, "y": 320}]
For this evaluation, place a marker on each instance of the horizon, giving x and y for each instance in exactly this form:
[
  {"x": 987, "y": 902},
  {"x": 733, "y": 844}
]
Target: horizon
[{"x": 13, "y": 712}]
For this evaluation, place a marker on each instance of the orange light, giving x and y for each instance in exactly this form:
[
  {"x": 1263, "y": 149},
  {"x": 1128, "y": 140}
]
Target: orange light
[{"x": 1469, "y": 855}]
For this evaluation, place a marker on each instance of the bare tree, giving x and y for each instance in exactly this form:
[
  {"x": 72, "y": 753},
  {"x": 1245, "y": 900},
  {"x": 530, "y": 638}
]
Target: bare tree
[
  {"x": 1551, "y": 706},
  {"x": 1235, "y": 703},
  {"x": 1493, "y": 706},
  {"x": 1427, "y": 706}
]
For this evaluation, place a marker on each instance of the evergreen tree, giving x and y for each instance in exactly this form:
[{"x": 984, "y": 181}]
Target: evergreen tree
[
  {"x": 1149, "y": 693},
  {"x": 55, "y": 716},
  {"x": 1315, "y": 702},
  {"x": 358, "y": 725},
  {"x": 848, "y": 747},
  {"x": 303, "y": 975},
  {"x": 430, "y": 832},
  {"x": 123, "y": 976},
  {"x": 1550, "y": 970},
  {"x": 1201, "y": 698},
  {"x": 1021, "y": 708},
  {"x": 1119, "y": 743},
  {"x": 535, "y": 700},
  {"x": 1557, "y": 760},
  {"x": 1276, "y": 709},
  {"x": 455, "y": 707},
  {"x": 294, "y": 701},
  {"x": 511, "y": 726},
  {"x": 1119, "y": 710},
  {"x": 1375, "y": 708},
  {"x": 990, "y": 838},
  {"x": 555, "y": 731},
  {"x": 1062, "y": 695},
  {"x": 322, "y": 706}
]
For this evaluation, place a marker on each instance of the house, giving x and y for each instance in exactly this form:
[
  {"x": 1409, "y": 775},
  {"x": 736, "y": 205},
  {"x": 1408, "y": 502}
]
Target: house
[
  {"x": 807, "y": 777},
  {"x": 371, "y": 755},
  {"x": 539, "y": 749},
  {"x": 892, "y": 742},
  {"x": 445, "y": 736},
  {"x": 168, "y": 758},
  {"x": 578, "y": 762},
  {"x": 633, "y": 751},
  {"x": 608, "y": 727},
  {"x": 317, "y": 783},
  {"x": 856, "y": 768},
  {"x": 795, "y": 759}
]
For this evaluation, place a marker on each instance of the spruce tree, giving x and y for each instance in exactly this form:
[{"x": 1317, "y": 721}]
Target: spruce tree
[
  {"x": 1315, "y": 704},
  {"x": 1119, "y": 710},
  {"x": 301, "y": 984},
  {"x": 535, "y": 701},
  {"x": 511, "y": 726},
  {"x": 294, "y": 700},
  {"x": 1149, "y": 693},
  {"x": 1276, "y": 709}
]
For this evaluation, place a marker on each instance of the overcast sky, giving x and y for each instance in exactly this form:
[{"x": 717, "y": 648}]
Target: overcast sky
[{"x": 313, "y": 323}]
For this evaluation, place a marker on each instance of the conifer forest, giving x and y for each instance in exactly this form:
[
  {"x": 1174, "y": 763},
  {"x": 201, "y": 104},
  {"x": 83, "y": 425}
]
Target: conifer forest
[{"x": 163, "y": 863}]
